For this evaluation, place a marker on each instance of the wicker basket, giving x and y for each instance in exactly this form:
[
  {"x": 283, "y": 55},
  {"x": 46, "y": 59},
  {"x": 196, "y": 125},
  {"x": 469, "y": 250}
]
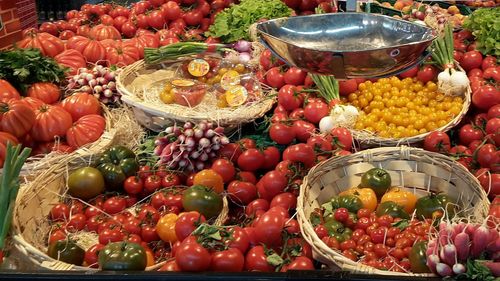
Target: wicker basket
[
  {"x": 152, "y": 113},
  {"x": 413, "y": 168},
  {"x": 369, "y": 139},
  {"x": 31, "y": 224}
]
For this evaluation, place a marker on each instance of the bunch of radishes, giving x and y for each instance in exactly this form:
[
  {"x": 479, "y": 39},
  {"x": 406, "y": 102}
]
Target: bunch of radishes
[
  {"x": 99, "y": 81},
  {"x": 448, "y": 252},
  {"x": 191, "y": 147}
]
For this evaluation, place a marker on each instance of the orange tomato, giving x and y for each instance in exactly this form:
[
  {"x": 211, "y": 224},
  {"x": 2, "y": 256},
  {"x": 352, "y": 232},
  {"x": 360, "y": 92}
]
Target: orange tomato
[
  {"x": 209, "y": 178},
  {"x": 366, "y": 195},
  {"x": 402, "y": 197},
  {"x": 165, "y": 228}
]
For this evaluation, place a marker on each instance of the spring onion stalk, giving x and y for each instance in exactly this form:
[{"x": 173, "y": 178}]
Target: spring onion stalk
[
  {"x": 328, "y": 86},
  {"x": 181, "y": 49},
  {"x": 450, "y": 81},
  {"x": 9, "y": 187}
]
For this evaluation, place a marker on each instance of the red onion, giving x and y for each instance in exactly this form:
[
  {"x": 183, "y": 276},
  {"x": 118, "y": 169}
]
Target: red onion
[
  {"x": 245, "y": 57},
  {"x": 242, "y": 46}
]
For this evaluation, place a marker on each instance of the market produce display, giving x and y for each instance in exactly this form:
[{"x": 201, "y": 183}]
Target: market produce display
[{"x": 200, "y": 188}]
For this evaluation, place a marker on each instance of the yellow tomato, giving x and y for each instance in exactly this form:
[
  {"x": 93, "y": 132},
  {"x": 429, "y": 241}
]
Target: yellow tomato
[
  {"x": 165, "y": 227},
  {"x": 167, "y": 97},
  {"x": 150, "y": 257},
  {"x": 366, "y": 195},
  {"x": 402, "y": 197},
  {"x": 209, "y": 178}
]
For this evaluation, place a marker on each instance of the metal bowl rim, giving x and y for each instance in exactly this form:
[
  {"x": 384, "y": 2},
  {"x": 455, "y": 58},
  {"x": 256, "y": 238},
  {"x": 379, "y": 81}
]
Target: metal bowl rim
[{"x": 433, "y": 34}]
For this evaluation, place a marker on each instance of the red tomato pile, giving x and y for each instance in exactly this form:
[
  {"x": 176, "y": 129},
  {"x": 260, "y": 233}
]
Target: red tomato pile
[{"x": 39, "y": 119}]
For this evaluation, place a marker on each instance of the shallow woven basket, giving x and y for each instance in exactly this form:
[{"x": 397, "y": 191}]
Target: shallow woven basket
[
  {"x": 143, "y": 97},
  {"x": 31, "y": 224},
  {"x": 415, "y": 169},
  {"x": 369, "y": 139}
]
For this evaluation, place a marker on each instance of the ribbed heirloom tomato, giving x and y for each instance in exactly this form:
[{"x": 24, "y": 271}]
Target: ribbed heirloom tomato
[
  {"x": 16, "y": 117},
  {"x": 7, "y": 91},
  {"x": 48, "y": 44},
  {"x": 87, "y": 129},
  {"x": 45, "y": 91},
  {"x": 81, "y": 104},
  {"x": 51, "y": 121},
  {"x": 92, "y": 50}
]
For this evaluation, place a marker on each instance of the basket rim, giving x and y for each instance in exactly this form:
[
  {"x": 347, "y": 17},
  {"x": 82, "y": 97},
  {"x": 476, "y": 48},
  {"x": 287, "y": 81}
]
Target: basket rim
[{"x": 331, "y": 256}]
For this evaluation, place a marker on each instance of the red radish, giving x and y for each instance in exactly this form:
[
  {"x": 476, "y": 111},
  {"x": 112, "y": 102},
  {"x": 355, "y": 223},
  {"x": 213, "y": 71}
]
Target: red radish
[
  {"x": 480, "y": 240},
  {"x": 494, "y": 267},
  {"x": 448, "y": 254},
  {"x": 461, "y": 242},
  {"x": 432, "y": 262},
  {"x": 458, "y": 268},
  {"x": 443, "y": 269}
]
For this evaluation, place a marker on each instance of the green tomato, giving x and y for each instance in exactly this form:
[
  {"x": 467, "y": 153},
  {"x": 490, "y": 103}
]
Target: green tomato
[
  {"x": 418, "y": 259},
  {"x": 392, "y": 209},
  {"x": 85, "y": 183},
  {"x": 204, "y": 200},
  {"x": 433, "y": 205},
  {"x": 377, "y": 179},
  {"x": 66, "y": 251},
  {"x": 338, "y": 230},
  {"x": 350, "y": 202},
  {"x": 116, "y": 165},
  {"x": 122, "y": 256}
]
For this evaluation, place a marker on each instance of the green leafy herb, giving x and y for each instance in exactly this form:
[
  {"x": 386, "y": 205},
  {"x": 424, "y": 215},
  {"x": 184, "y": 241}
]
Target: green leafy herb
[
  {"x": 23, "y": 67},
  {"x": 476, "y": 271},
  {"x": 485, "y": 26},
  {"x": 232, "y": 23},
  {"x": 274, "y": 260}
]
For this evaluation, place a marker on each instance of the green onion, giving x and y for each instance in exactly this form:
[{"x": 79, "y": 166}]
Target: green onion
[
  {"x": 443, "y": 48},
  {"x": 328, "y": 86},
  {"x": 9, "y": 187},
  {"x": 181, "y": 49}
]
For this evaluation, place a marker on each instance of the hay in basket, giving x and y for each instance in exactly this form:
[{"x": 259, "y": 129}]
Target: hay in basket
[
  {"x": 370, "y": 139},
  {"x": 140, "y": 85},
  {"x": 31, "y": 224},
  {"x": 415, "y": 169}
]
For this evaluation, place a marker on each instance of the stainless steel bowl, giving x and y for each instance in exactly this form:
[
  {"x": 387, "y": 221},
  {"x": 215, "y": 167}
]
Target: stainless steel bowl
[{"x": 347, "y": 45}]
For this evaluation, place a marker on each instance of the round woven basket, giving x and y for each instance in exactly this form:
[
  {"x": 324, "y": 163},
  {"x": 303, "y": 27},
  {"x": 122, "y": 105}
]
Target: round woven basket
[
  {"x": 415, "y": 169},
  {"x": 31, "y": 224},
  {"x": 369, "y": 139},
  {"x": 140, "y": 85}
]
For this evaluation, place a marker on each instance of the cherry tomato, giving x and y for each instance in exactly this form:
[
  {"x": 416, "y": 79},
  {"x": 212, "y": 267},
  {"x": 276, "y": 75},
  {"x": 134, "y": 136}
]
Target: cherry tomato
[
  {"x": 256, "y": 205},
  {"x": 341, "y": 138},
  {"x": 427, "y": 73},
  {"x": 437, "y": 142},
  {"x": 133, "y": 185},
  {"x": 225, "y": 169},
  {"x": 256, "y": 260},
  {"x": 191, "y": 256},
  {"x": 187, "y": 223},
  {"x": 472, "y": 59},
  {"x": 341, "y": 214},
  {"x": 92, "y": 255},
  {"x": 241, "y": 192},
  {"x": 286, "y": 200},
  {"x": 295, "y": 76},
  {"x": 170, "y": 180},
  {"x": 301, "y": 263},
  {"x": 60, "y": 212},
  {"x": 275, "y": 78},
  {"x": 114, "y": 205},
  {"x": 251, "y": 160},
  {"x": 270, "y": 226},
  {"x": 110, "y": 235}
]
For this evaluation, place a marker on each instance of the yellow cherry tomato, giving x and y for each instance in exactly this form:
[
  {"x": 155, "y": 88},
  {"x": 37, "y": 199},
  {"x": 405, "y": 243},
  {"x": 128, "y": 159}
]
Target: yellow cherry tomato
[
  {"x": 366, "y": 195},
  {"x": 165, "y": 227},
  {"x": 167, "y": 97},
  {"x": 402, "y": 197}
]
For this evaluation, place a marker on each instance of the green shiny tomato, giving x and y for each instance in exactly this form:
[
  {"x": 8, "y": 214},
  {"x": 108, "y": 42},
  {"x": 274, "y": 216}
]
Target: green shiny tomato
[
  {"x": 85, "y": 183},
  {"x": 350, "y": 202},
  {"x": 433, "y": 205},
  {"x": 117, "y": 164},
  {"x": 203, "y": 200},
  {"x": 418, "y": 259},
  {"x": 377, "y": 179},
  {"x": 392, "y": 209},
  {"x": 123, "y": 256},
  {"x": 66, "y": 251},
  {"x": 338, "y": 230}
]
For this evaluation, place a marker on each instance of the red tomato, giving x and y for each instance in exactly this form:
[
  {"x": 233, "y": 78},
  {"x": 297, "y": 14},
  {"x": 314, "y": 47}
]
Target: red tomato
[
  {"x": 76, "y": 223},
  {"x": 231, "y": 151},
  {"x": 341, "y": 214},
  {"x": 286, "y": 200},
  {"x": 152, "y": 183},
  {"x": 256, "y": 205},
  {"x": 225, "y": 169},
  {"x": 109, "y": 235},
  {"x": 114, "y": 205},
  {"x": 315, "y": 111},
  {"x": 148, "y": 233},
  {"x": 469, "y": 133},
  {"x": 290, "y": 98},
  {"x": 487, "y": 96},
  {"x": 128, "y": 29},
  {"x": 347, "y": 87},
  {"x": 437, "y": 142},
  {"x": 239, "y": 239},
  {"x": 193, "y": 17},
  {"x": 173, "y": 10},
  {"x": 493, "y": 129},
  {"x": 170, "y": 180},
  {"x": 273, "y": 182},
  {"x": 275, "y": 78},
  {"x": 320, "y": 144},
  {"x": 251, "y": 160},
  {"x": 487, "y": 156},
  {"x": 246, "y": 176},
  {"x": 270, "y": 226},
  {"x": 488, "y": 62},
  {"x": 301, "y": 153},
  {"x": 59, "y": 212},
  {"x": 295, "y": 76},
  {"x": 91, "y": 255},
  {"x": 230, "y": 260},
  {"x": 427, "y": 73},
  {"x": 256, "y": 260},
  {"x": 271, "y": 158},
  {"x": 187, "y": 223},
  {"x": 191, "y": 256},
  {"x": 458, "y": 56},
  {"x": 300, "y": 263},
  {"x": 492, "y": 73},
  {"x": 241, "y": 192},
  {"x": 57, "y": 235},
  {"x": 303, "y": 130},
  {"x": 494, "y": 111},
  {"x": 341, "y": 138},
  {"x": 472, "y": 59}
]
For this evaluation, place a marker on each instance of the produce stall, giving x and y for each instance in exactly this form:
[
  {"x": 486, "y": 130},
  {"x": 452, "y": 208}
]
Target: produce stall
[{"x": 270, "y": 140}]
